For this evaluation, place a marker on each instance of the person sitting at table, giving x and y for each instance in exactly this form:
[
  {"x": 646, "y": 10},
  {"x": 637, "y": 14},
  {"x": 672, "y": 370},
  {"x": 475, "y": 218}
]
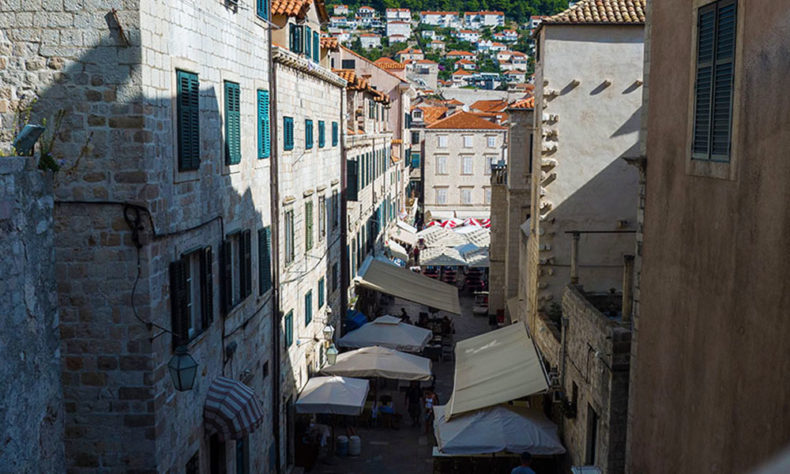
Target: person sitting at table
[
  {"x": 404, "y": 316},
  {"x": 447, "y": 326}
]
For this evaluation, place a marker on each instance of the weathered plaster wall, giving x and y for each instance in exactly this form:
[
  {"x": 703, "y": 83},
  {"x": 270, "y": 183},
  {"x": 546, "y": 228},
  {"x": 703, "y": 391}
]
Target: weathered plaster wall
[
  {"x": 713, "y": 327},
  {"x": 31, "y": 397},
  {"x": 582, "y": 132}
]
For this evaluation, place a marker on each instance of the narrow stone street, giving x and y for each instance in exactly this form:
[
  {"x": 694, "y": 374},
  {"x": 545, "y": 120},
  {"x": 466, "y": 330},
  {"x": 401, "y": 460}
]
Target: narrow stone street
[{"x": 407, "y": 449}]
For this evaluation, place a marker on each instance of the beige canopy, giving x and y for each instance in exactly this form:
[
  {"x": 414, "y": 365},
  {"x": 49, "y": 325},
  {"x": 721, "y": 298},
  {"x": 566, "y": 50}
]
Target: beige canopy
[
  {"x": 493, "y": 368},
  {"x": 403, "y": 283},
  {"x": 388, "y": 331},
  {"x": 380, "y": 361}
]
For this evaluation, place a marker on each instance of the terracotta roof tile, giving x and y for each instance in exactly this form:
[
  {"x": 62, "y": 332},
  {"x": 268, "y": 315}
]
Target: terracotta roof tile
[
  {"x": 331, "y": 43},
  {"x": 453, "y": 102},
  {"x": 465, "y": 121},
  {"x": 387, "y": 63},
  {"x": 496, "y": 105},
  {"x": 630, "y": 12},
  {"x": 456, "y": 52},
  {"x": 432, "y": 114},
  {"x": 525, "y": 103},
  {"x": 461, "y": 72},
  {"x": 288, "y": 7}
]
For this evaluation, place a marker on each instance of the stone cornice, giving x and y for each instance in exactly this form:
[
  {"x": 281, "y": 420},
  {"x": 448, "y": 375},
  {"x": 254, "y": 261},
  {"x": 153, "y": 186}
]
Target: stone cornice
[{"x": 290, "y": 59}]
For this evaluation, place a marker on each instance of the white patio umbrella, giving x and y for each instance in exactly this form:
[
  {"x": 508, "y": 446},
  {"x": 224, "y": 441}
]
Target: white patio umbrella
[
  {"x": 333, "y": 395},
  {"x": 388, "y": 331},
  {"x": 380, "y": 361},
  {"x": 496, "y": 429}
]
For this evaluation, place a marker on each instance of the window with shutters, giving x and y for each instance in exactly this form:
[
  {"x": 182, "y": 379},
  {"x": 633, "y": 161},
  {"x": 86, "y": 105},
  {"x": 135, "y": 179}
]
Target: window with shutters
[
  {"x": 335, "y": 133},
  {"x": 348, "y": 64},
  {"x": 288, "y": 329},
  {"x": 191, "y": 295},
  {"x": 232, "y": 123},
  {"x": 188, "y": 120},
  {"x": 316, "y": 47},
  {"x": 415, "y": 160},
  {"x": 415, "y": 137},
  {"x": 295, "y": 39},
  {"x": 308, "y": 225},
  {"x": 289, "y": 236},
  {"x": 441, "y": 164},
  {"x": 352, "y": 180},
  {"x": 714, "y": 81},
  {"x": 308, "y": 50},
  {"x": 288, "y": 133},
  {"x": 467, "y": 166},
  {"x": 264, "y": 260},
  {"x": 466, "y": 195},
  {"x": 308, "y": 307},
  {"x": 236, "y": 275},
  {"x": 308, "y": 134},
  {"x": 489, "y": 163},
  {"x": 264, "y": 131},
  {"x": 335, "y": 204},
  {"x": 321, "y": 218},
  {"x": 321, "y": 134},
  {"x": 321, "y": 295},
  {"x": 262, "y": 8}
]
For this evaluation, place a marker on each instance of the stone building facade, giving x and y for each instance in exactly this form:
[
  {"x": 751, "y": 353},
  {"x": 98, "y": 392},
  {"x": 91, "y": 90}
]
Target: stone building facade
[
  {"x": 162, "y": 185},
  {"x": 709, "y": 376},
  {"x": 458, "y": 152},
  {"x": 510, "y": 208},
  {"x": 309, "y": 117},
  {"x": 31, "y": 413},
  {"x": 580, "y": 179}
]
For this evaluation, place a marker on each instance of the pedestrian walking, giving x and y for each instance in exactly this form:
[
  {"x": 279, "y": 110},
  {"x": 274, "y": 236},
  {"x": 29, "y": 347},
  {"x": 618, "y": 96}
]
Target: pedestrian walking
[{"x": 526, "y": 460}]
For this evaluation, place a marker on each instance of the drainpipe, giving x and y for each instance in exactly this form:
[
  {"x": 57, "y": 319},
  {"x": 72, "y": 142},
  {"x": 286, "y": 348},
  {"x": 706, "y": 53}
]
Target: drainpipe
[
  {"x": 575, "y": 259},
  {"x": 275, "y": 249},
  {"x": 628, "y": 287}
]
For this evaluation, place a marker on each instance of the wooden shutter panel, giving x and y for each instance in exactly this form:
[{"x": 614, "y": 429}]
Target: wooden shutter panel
[
  {"x": 351, "y": 180},
  {"x": 316, "y": 47},
  {"x": 245, "y": 251},
  {"x": 721, "y": 116},
  {"x": 307, "y": 49},
  {"x": 226, "y": 279},
  {"x": 334, "y": 133},
  {"x": 188, "y": 113},
  {"x": 179, "y": 301},
  {"x": 232, "y": 124},
  {"x": 207, "y": 286},
  {"x": 263, "y": 8},
  {"x": 706, "y": 25},
  {"x": 264, "y": 132},
  {"x": 264, "y": 260}
]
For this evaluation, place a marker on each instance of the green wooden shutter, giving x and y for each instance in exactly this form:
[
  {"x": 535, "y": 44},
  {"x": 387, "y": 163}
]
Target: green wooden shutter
[
  {"x": 292, "y": 37},
  {"x": 308, "y": 307},
  {"x": 232, "y": 123},
  {"x": 352, "y": 180},
  {"x": 262, "y": 9},
  {"x": 308, "y": 134},
  {"x": 188, "y": 113},
  {"x": 316, "y": 47},
  {"x": 207, "y": 286},
  {"x": 288, "y": 135},
  {"x": 179, "y": 301},
  {"x": 721, "y": 117},
  {"x": 308, "y": 218},
  {"x": 264, "y": 132},
  {"x": 307, "y": 49},
  {"x": 226, "y": 279},
  {"x": 289, "y": 328},
  {"x": 245, "y": 250},
  {"x": 335, "y": 133},
  {"x": 264, "y": 260},
  {"x": 321, "y": 293},
  {"x": 321, "y": 134}
]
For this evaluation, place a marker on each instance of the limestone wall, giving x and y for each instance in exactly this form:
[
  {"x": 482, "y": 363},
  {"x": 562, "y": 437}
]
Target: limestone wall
[{"x": 31, "y": 399}]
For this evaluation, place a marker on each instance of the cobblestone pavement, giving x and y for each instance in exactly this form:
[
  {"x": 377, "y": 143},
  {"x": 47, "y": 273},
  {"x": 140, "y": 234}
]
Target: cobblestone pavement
[{"x": 407, "y": 449}]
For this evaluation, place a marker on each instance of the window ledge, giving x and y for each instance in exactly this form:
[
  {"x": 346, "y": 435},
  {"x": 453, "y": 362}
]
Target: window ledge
[{"x": 710, "y": 169}]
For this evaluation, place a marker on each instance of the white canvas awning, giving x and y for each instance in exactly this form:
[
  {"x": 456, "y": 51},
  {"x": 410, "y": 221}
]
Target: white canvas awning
[
  {"x": 387, "y": 331},
  {"x": 380, "y": 361},
  {"x": 333, "y": 395},
  {"x": 496, "y": 429},
  {"x": 495, "y": 367},
  {"x": 407, "y": 227},
  {"x": 403, "y": 283},
  {"x": 404, "y": 233},
  {"x": 397, "y": 250},
  {"x": 441, "y": 257},
  {"x": 432, "y": 215}
]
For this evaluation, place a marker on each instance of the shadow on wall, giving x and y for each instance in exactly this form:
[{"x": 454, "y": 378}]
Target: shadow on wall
[{"x": 114, "y": 144}]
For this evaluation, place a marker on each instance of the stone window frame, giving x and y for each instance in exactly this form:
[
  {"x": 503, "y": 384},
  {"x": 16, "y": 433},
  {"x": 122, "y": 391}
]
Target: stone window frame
[
  {"x": 437, "y": 189},
  {"x": 707, "y": 168},
  {"x": 470, "y": 190},
  {"x": 443, "y": 171},
  {"x": 467, "y": 159}
]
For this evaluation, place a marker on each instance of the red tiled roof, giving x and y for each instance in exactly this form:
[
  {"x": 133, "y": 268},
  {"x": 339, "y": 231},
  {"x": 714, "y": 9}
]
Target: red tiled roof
[
  {"x": 456, "y": 52},
  {"x": 431, "y": 114},
  {"x": 298, "y": 8},
  {"x": 387, "y": 63},
  {"x": 525, "y": 103},
  {"x": 465, "y": 121},
  {"x": 330, "y": 42},
  {"x": 438, "y": 13},
  {"x": 461, "y": 72},
  {"x": 425, "y": 61},
  {"x": 464, "y": 61},
  {"x": 495, "y": 105},
  {"x": 628, "y": 12}
]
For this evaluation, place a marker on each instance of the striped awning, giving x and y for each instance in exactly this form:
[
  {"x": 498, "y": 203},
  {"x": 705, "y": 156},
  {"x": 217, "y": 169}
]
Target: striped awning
[{"x": 231, "y": 410}]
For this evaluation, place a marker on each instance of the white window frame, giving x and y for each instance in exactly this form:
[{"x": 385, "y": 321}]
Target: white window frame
[
  {"x": 441, "y": 165},
  {"x": 491, "y": 142},
  {"x": 441, "y": 195},
  {"x": 442, "y": 141},
  {"x": 464, "y": 194},
  {"x": 468, "y": 141},
  {"x": 487, "y": 195},
  {"x": 467, "y": 165},
  {"x": 195, "y": 303}
]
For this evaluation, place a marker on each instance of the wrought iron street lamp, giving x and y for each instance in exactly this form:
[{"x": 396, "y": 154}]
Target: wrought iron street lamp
[{"x": 183, "y": 369}]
